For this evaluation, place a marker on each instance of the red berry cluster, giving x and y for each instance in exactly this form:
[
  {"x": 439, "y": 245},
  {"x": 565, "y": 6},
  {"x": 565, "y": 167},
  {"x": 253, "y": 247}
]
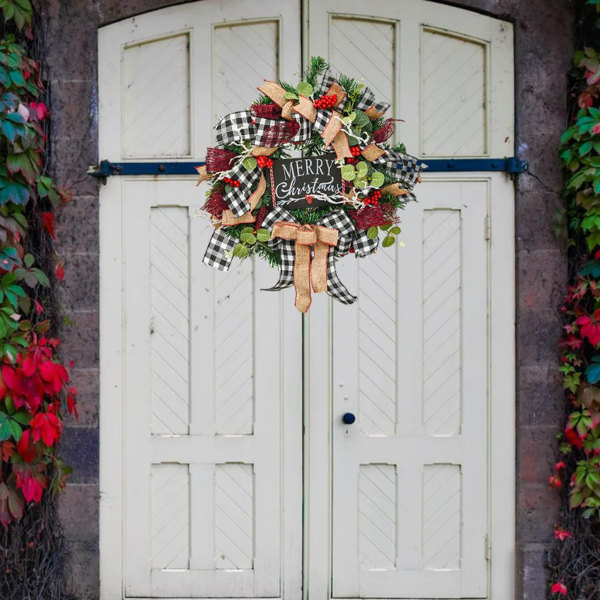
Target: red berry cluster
[
  {"x": 373, "y": 198},
  {"x": 264, "y": 161},
  {"x": 326, "y": 101},
  {"x": 355, "y": 150},
  {"x": 231, "y": 182}
]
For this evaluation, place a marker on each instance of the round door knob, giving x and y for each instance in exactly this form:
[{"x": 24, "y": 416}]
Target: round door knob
[{"x": 348, "y": 418}]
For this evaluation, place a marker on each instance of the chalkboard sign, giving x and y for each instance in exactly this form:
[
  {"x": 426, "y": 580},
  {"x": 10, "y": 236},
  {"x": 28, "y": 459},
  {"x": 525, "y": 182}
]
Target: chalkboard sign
[{"x": 294, "y": 181}]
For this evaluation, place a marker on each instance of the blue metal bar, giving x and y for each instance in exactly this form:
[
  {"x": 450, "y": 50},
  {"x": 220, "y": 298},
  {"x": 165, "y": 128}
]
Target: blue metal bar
[
  {"x": 508, "y": 165},
  {"x": 436, "y": 165}
]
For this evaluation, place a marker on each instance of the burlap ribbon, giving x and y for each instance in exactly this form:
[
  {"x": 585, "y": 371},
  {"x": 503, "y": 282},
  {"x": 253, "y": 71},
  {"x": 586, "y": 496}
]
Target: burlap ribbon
[
  {"x": 327, "y": 122},
  {"x": 307, "y": 271},
  {"x": 229, "y": 218}
]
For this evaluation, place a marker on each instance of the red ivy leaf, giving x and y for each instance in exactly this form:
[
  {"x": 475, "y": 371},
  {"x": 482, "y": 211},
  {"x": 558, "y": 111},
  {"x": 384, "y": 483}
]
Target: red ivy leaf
[
  {"x": 59, "y": 270},
  {"x": 48, "y": 223}
]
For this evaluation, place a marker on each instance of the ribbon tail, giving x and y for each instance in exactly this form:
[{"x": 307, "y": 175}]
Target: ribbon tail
[
  {"x": 286, "y": 269},
  {"x": 219, "y": 252},
  {"x": 335, "y": 288},
  {"x": 302, "y": 277}
]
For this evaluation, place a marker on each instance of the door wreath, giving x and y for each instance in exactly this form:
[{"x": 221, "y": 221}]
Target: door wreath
[{"x": 303, "y": 214}]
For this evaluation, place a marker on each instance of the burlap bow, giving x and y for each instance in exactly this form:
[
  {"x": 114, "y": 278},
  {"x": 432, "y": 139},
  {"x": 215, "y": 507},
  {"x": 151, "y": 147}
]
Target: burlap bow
[
  {"x": 309, "y": 271},
  {"x": 338, "y": 221}
]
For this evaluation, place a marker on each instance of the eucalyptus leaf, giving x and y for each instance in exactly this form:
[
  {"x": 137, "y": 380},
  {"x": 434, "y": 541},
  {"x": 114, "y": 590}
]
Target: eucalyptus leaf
[
  {"x": 360, "y": 119},
  {"x": 394, "y": 230},
  {"x": 372, "y": 233},
  {"x": 290, "y": 96},
  {"x": 360, "y": 182},
  {"x": 362, "y": 168},
  {"x": 348, "y": 173},
  {"x": 240, "y": 251},
  {"x": 305, "y": 88},
  {"x": 385, "y": 227},
  {"x": 263, "y": 235},
  {"x": 249, "y": 163},
  {"x": 377, "y": 179},
  {"x": 248, "y": 238},
  {"x": 247, "y": 230},
  {"x": 388, "y": 240}
]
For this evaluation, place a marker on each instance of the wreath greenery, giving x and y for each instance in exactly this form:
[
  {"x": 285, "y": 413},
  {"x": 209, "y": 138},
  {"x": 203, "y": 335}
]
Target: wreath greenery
[{"x": 320, "y": 114}]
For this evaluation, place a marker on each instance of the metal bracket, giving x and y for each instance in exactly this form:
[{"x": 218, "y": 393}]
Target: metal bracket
[{"x": 107, "y": 169}]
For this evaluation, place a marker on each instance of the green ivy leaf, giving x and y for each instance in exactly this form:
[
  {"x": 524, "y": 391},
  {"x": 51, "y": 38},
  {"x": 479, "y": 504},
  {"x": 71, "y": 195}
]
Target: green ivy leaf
[
  {"x": 585, "y": 148},
  {"x": 5, "y": 431},
  {"x": 15, "y": 430},
  {"x": 305, "y": 89},
  {"x": 14, "y": 192},
  {"x": 17, "y": 78},
  {"x": 592, "y": 373}
]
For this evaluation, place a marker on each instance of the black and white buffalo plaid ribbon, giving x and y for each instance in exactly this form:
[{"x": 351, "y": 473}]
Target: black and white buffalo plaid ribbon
[
  {"x": 336, "y": 220},
  {"x": 219, "y": 252}
]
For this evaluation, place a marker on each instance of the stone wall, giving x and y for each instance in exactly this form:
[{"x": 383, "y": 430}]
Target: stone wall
[{"x": 543, "y": 52}]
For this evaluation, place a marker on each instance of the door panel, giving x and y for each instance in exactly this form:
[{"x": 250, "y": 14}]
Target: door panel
[
  {"x": 210, "y": 464},
  {"x": 410, "y": 498},
  {"x": 414, "y": 372}
]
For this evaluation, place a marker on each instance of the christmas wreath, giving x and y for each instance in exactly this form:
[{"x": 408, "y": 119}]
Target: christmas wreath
[{"x": 302, "y": 214}]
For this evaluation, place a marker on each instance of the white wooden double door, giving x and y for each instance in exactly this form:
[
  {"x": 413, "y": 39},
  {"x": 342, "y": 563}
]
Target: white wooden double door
[{"x": 226, "y": 470}]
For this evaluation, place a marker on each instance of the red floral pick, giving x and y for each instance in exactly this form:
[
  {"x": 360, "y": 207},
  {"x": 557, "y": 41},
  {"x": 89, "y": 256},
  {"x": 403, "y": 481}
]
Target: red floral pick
[
  {"x": 560, "y": 465},
  {"x": 559, "y": 588}
]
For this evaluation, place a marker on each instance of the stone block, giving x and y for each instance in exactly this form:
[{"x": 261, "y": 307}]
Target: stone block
[
  {"x": 542, "y": 276},
  {"x": 80, "y": 287},
  {"x": 78, "y": 506},
  {"x": 72, "y": 28},
  {"x": 74, "y": 112},
  {"x": 537, "y": 512},
  {"x": 80, "y": 338},
  {"x": 538, "y": 333},
  {"x": 87, "y": 384},
  {"x": 531, "y": 572},
  {"x": 541, "y": 398},
  {"x": 79, "y": 449},
  {"x": 77, "y": 225},
  {"x": 83, "y": 571},
  {"x": 537, "y": 453}
]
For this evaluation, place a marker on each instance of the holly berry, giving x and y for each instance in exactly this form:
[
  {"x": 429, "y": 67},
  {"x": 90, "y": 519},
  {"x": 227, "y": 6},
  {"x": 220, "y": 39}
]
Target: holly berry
[
  {"x": 264, "y": 161},
  {"x": 373, "y": 198},
  {"x": 231, "y": 182},
  {"x": 326, "y": 101},
  {"x": 355, "y": 151}
]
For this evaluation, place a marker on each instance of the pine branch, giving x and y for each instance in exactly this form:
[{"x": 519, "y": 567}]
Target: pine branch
[{"x": 317, "y": 67}]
